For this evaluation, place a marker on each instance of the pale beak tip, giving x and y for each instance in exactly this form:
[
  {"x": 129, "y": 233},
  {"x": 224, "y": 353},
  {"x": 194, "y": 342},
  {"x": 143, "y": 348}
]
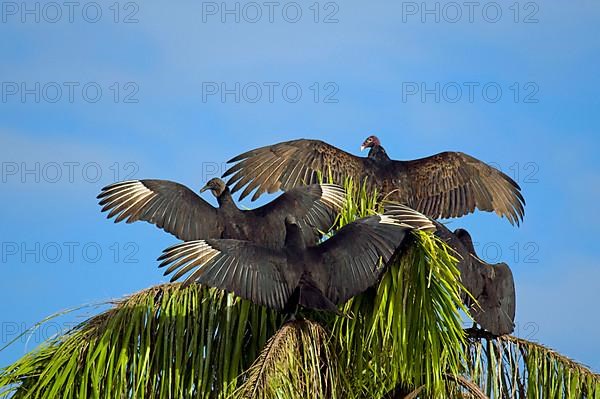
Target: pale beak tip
[{"x": 362, "y": 147}]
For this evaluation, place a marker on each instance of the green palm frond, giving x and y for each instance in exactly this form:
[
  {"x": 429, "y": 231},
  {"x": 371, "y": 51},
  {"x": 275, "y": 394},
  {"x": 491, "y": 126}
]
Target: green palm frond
[
  {"x": 165, "y": 341},
  {"x": 409, "y": 330},
  {"x": 516, "y": 368}
]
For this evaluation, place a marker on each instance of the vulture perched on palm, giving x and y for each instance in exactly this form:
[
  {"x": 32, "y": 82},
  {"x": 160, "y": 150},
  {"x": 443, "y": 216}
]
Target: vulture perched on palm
[
  {"x": 181, "y": 212},
  {"x": 445, "y": 185},
  {"x": 492, "y": 286},
  {"x": 318, "y": 277}
]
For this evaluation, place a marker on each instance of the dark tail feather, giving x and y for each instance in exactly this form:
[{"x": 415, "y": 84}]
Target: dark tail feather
[{"x": 312, "y": 297}]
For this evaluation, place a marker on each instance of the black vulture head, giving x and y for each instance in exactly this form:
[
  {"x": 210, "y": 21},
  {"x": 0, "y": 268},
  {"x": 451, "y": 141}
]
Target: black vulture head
[
  {"x": 216, "y": 186},
  {"x": 290, "y": 221},
  {"x": 371, "y": 141},
  {"x": 464, "y": 236}
]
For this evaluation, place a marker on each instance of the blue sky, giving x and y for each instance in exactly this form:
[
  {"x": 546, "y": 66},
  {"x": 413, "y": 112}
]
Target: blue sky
[{"x": 533, "y": 112}]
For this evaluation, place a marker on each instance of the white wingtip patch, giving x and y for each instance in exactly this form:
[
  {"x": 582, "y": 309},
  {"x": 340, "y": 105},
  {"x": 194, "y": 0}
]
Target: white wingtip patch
[
  {"x": 131, "y": 192},
  {"x": 333, "y": 196},
  {"x": 404, "y": 216},
  {"x": 180, "y": 256},
  {"x": 387, "y": 219}
]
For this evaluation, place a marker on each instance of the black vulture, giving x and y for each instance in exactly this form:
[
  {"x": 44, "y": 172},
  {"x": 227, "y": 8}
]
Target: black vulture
[
  {"x": 492, "y": 286},
  {"x": 181, "y": 212},
  {"x": 445, "y": 185},
  {"x": 318, "y": 277}
]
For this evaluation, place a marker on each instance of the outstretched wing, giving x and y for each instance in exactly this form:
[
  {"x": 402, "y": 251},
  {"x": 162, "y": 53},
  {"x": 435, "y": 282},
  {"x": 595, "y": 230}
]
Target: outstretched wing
[
  {"x": 314, "y": 207},
  {"x": 453, "y": 184},
  {"x": 170, "y": 206},
  {"x": 357, "y": 254},
  {"x": 290, "y": 164},
  {"x": 449, "y": 184},
  {"x": 248, "y": 270}
]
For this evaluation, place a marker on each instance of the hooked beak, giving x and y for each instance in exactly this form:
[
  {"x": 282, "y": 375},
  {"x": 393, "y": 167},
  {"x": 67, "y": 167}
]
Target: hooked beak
[
  {"x": 362, "y": 147},
  {"x": 203, "y": 189}
]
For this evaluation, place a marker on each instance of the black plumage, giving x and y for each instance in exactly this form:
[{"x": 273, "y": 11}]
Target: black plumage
[
  {"x": 448, "y": 184},
  {"x": 492, "y": 285},
  {"x": 181, "y": 212},
  {"x": 319, "y": 277}
]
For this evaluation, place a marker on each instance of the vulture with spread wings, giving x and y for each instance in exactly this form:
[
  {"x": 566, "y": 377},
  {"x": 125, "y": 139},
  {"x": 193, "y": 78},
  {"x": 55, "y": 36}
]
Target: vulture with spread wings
[
  {"x": 445, "y": 185},
  {"x": 318, "y": 277},
  {"x": 181, "y": 212},
  {"x": 492, "y": 286}
]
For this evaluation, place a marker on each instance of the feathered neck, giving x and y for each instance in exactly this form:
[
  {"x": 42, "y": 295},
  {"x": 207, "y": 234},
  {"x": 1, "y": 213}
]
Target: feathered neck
[
  {"x": 378, "y": 153},
  {"x": 225, "y": 200},
  {"x": 293, "y": 237}
]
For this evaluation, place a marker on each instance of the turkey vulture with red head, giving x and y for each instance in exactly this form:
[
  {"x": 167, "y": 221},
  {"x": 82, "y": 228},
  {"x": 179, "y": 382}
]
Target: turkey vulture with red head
[
  {"x": 492, "y": 286},
  {"x": 178, "y": 210},
  {"x": 318, "y": 277},
  {"x": 445, "y": 185}
]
